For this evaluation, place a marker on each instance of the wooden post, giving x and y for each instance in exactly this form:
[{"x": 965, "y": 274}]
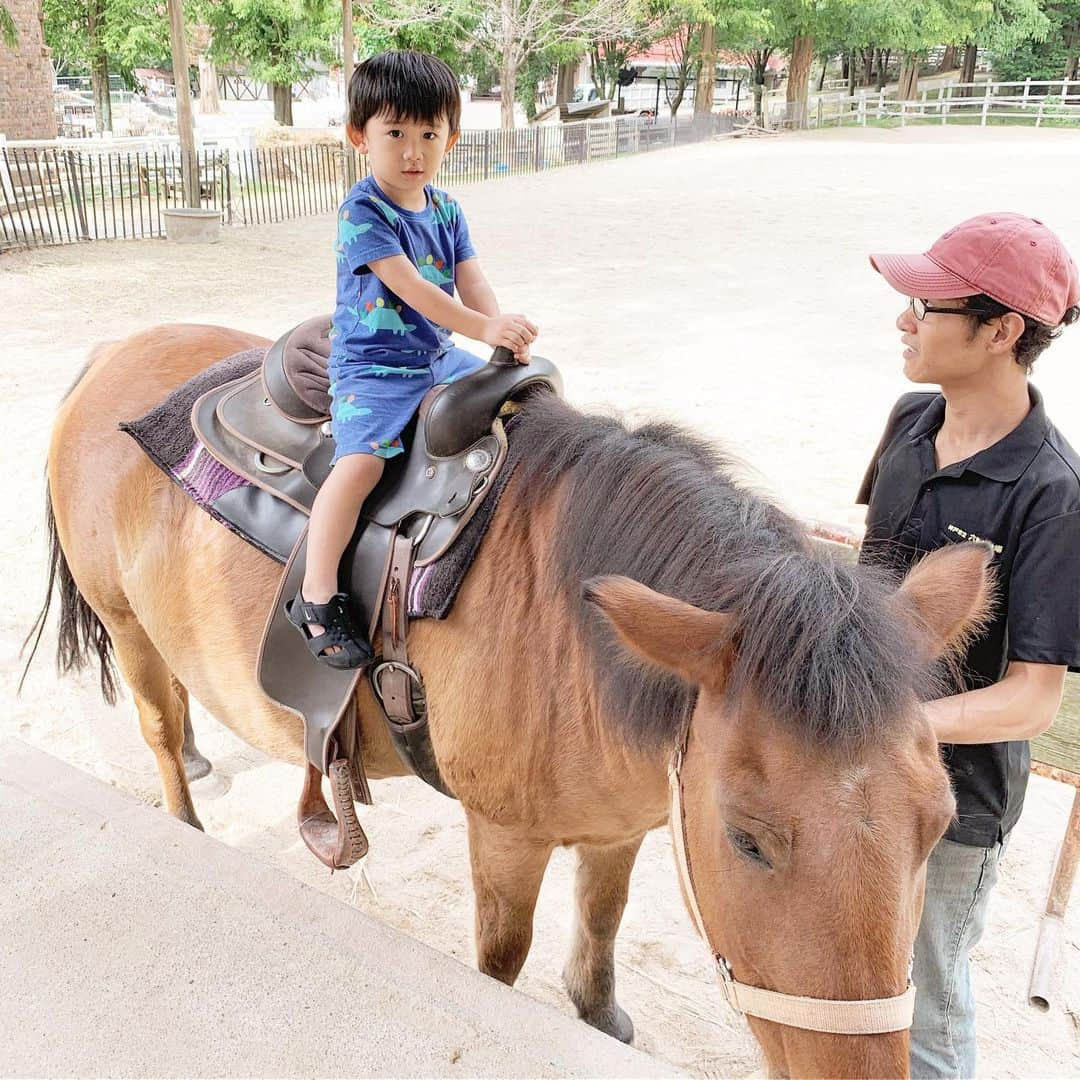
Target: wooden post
[
  {"x": 1048, "y": 948},
  {"x": 862, "y": 109},
  {"x": 189, "y": 166},
  {"x": 881, "y": 103},
  {"x": 985, "y": 108}
]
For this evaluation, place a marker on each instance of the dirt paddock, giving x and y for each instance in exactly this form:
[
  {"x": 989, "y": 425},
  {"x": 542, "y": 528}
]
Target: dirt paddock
[{"x": 725, "y": 286}]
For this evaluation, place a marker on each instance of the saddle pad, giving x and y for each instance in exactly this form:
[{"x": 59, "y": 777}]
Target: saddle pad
[{"x": 166, "y": 436}]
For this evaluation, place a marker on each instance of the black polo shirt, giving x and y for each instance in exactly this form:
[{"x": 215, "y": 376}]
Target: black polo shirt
[{"x": 1022, "y": 495}]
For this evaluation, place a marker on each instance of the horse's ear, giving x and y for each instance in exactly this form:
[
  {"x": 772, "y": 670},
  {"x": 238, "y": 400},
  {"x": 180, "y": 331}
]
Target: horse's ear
[
  {"x": 667, "y": 632},
  {"x": 951, "y": 595}
]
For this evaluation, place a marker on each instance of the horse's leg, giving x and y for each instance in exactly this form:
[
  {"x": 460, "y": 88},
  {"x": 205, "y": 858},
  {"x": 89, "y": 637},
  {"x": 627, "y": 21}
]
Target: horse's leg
[
  {"x": 196, "y": 766},
  {"x": 603, "y": 881},
  {"x": 507, "y": 868},
  {"x": 161, "y": 712}
]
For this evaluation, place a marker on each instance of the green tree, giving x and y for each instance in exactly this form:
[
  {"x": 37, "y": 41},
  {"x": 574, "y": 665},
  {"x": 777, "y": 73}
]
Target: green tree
[
  {"x": 8, "y": 34},
  {"x": 1057, "y": 55},
  {"x": 447, "y": 31},
  {"x": 276, "y": 40},
  {"x": 748, "y": 29}
]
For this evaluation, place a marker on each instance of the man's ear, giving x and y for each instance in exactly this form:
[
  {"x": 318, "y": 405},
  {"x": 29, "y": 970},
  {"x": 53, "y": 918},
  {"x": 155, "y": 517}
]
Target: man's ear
[
  {"x": 452, "y": 140},
  {"x": 356, "y": 137},
  {"x": 1007, "y": 332}
]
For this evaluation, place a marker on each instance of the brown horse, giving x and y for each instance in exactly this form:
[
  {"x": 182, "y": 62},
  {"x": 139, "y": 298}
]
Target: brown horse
[{"x": 630, "y": 599}]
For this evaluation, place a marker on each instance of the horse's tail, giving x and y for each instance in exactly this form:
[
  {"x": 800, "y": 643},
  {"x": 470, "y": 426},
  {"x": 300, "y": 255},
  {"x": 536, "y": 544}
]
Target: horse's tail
[{"x": 81, "y": 631}]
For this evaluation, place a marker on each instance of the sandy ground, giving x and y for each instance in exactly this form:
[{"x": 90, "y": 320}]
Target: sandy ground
[{"x": 722, "y": 285}]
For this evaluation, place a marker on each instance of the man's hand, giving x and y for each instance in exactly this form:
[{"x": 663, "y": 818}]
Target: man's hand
[{"x": 513, "y": 332}]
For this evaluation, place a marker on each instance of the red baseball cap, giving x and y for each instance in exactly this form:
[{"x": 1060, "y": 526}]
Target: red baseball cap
[{"x": 1016, "y": 260}]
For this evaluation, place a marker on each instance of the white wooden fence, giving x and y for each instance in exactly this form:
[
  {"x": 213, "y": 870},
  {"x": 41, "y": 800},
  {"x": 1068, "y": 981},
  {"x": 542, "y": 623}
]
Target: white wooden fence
[{"x": 1053, "y": 103}]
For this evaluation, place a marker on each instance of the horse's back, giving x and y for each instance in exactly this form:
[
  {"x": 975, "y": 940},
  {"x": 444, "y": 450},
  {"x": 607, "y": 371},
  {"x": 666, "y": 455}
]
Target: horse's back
[
  {"x": 102, "y": 486},
  {"x": 127, "y": 378}
]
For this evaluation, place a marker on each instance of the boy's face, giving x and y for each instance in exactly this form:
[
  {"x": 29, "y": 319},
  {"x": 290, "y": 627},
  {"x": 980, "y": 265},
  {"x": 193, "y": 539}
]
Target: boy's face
[{"x": 404, "y": 154}]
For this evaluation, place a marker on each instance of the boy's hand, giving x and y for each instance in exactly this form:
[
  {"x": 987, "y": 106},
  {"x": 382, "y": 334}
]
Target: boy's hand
[{"x": 513, "y": 332}]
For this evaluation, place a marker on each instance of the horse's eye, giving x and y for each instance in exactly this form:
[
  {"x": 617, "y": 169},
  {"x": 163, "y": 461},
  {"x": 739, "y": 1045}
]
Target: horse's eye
[{"x": 746, "y": 846}]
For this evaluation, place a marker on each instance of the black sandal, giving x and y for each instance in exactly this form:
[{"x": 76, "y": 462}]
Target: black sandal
[{"x": 340, "y": 629}]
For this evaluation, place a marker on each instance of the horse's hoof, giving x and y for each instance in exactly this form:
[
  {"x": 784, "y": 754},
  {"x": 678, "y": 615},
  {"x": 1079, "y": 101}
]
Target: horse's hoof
[
  {"x": 196, "y": 766},
  {"x": 614, "y": 1021}
]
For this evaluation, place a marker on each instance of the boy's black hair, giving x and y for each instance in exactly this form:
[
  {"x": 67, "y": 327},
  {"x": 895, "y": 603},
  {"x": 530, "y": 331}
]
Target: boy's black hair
[{"x": 406, "y": 85}]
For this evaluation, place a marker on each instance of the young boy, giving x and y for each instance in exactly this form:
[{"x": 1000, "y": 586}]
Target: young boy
[
  {"x": 981, "y": 461},
  {"x": 402, "y": 248}
]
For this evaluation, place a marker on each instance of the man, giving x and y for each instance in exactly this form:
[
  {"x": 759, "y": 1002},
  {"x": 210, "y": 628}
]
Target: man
[{"x": 980, "y": 461}]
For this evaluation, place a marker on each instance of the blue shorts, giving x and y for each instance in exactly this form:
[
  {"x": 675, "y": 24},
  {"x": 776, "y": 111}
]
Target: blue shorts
[{"x": 372, "y": 403}]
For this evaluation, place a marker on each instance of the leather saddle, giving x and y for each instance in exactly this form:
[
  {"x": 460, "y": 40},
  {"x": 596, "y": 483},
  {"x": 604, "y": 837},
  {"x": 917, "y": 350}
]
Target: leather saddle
[{"x": 272, "y": 428}]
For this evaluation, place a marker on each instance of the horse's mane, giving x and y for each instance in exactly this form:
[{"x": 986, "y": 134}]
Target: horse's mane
[{"x": 816, "y": 644}]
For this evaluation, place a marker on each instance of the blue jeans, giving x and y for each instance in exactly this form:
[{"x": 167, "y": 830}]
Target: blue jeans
[{"x": 959, "y": 879}]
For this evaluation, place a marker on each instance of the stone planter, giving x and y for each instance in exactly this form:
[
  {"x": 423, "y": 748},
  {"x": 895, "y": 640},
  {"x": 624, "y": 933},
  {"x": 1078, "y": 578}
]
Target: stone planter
[{"x": 187, "y": 225}]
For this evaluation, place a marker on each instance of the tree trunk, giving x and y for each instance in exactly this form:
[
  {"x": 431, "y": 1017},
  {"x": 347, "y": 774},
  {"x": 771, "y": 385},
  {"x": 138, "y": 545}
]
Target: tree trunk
[
  {"x": 852, "y": 72},
  {"x": 869, "y": 56},
  {"x": 825, "y": 68},
  {"x": 185, "y": 126},
  {"x": 798, "y": 85},
  {"x": 884, "y": 55},
  {"x": 564, "y": 81},
  {"x": 348, "y": 59},
  {"x": 99, "y": 67},
  {"x": 1072, "y": 67},
  {"x": 209, "y": 100},
  {"x": 706, "y": 77},
  {"x": 757, "y": 74},
  {"x": 967, "y": 72},
  {"x": 506, "y": 98},
  {"x": 948, "y": 60},
  {"x": 908, "y": 85},
  {"x": 282, "y": 103}
]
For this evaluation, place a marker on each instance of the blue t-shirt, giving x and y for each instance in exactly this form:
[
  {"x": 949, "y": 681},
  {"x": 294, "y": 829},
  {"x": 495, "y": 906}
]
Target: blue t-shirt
[{"x": 370, "y": 323}]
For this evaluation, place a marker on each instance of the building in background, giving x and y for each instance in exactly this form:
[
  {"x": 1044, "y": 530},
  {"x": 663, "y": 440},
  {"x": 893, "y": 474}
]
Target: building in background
[{"x": 26, "y": 77}]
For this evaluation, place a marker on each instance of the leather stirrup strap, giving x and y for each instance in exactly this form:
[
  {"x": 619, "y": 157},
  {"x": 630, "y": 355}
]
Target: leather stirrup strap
[
  {"x": 395, "y": 678},
  {"x": 338, "y": 841}
]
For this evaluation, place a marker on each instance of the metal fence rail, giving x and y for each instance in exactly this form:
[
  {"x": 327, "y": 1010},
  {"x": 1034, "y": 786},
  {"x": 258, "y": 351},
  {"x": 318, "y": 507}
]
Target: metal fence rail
[{"x": 61, "y": 194}]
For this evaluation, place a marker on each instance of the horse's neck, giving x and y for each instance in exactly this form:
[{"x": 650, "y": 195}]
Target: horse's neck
[{"x": 516, "y": 711}]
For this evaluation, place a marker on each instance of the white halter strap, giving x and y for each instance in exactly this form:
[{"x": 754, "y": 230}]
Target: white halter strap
[{"x": 864, "y": 1017}]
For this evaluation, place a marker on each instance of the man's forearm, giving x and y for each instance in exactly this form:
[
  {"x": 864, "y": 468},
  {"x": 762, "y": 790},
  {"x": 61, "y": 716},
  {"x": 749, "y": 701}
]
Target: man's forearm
[{"x": 1019, "y": 707}]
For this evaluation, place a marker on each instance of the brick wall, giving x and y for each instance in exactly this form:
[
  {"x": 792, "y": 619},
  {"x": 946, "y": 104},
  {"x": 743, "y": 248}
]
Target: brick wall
[{"x": 26, "y": 78}]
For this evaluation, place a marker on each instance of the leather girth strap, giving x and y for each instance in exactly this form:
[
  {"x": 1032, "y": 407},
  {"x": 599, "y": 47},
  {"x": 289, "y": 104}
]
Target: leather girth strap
[{"x": 398, "y": 687}]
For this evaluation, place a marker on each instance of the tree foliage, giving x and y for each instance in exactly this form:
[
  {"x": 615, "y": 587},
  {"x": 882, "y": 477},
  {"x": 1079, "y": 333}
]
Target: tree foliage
[
  {"x": 276, "y": 40},
  {"x": 131, "y": 33}
]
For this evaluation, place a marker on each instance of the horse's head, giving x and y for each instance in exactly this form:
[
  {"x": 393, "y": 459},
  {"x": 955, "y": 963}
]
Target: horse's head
[{"x": 810, "y": 782}]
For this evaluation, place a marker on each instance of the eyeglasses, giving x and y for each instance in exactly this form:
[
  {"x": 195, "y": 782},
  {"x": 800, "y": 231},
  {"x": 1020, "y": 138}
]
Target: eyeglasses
[{"x": 920, "y": 309}]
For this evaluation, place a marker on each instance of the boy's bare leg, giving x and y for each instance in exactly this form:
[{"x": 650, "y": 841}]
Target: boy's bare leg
[{"x": 333, "y": 519}]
